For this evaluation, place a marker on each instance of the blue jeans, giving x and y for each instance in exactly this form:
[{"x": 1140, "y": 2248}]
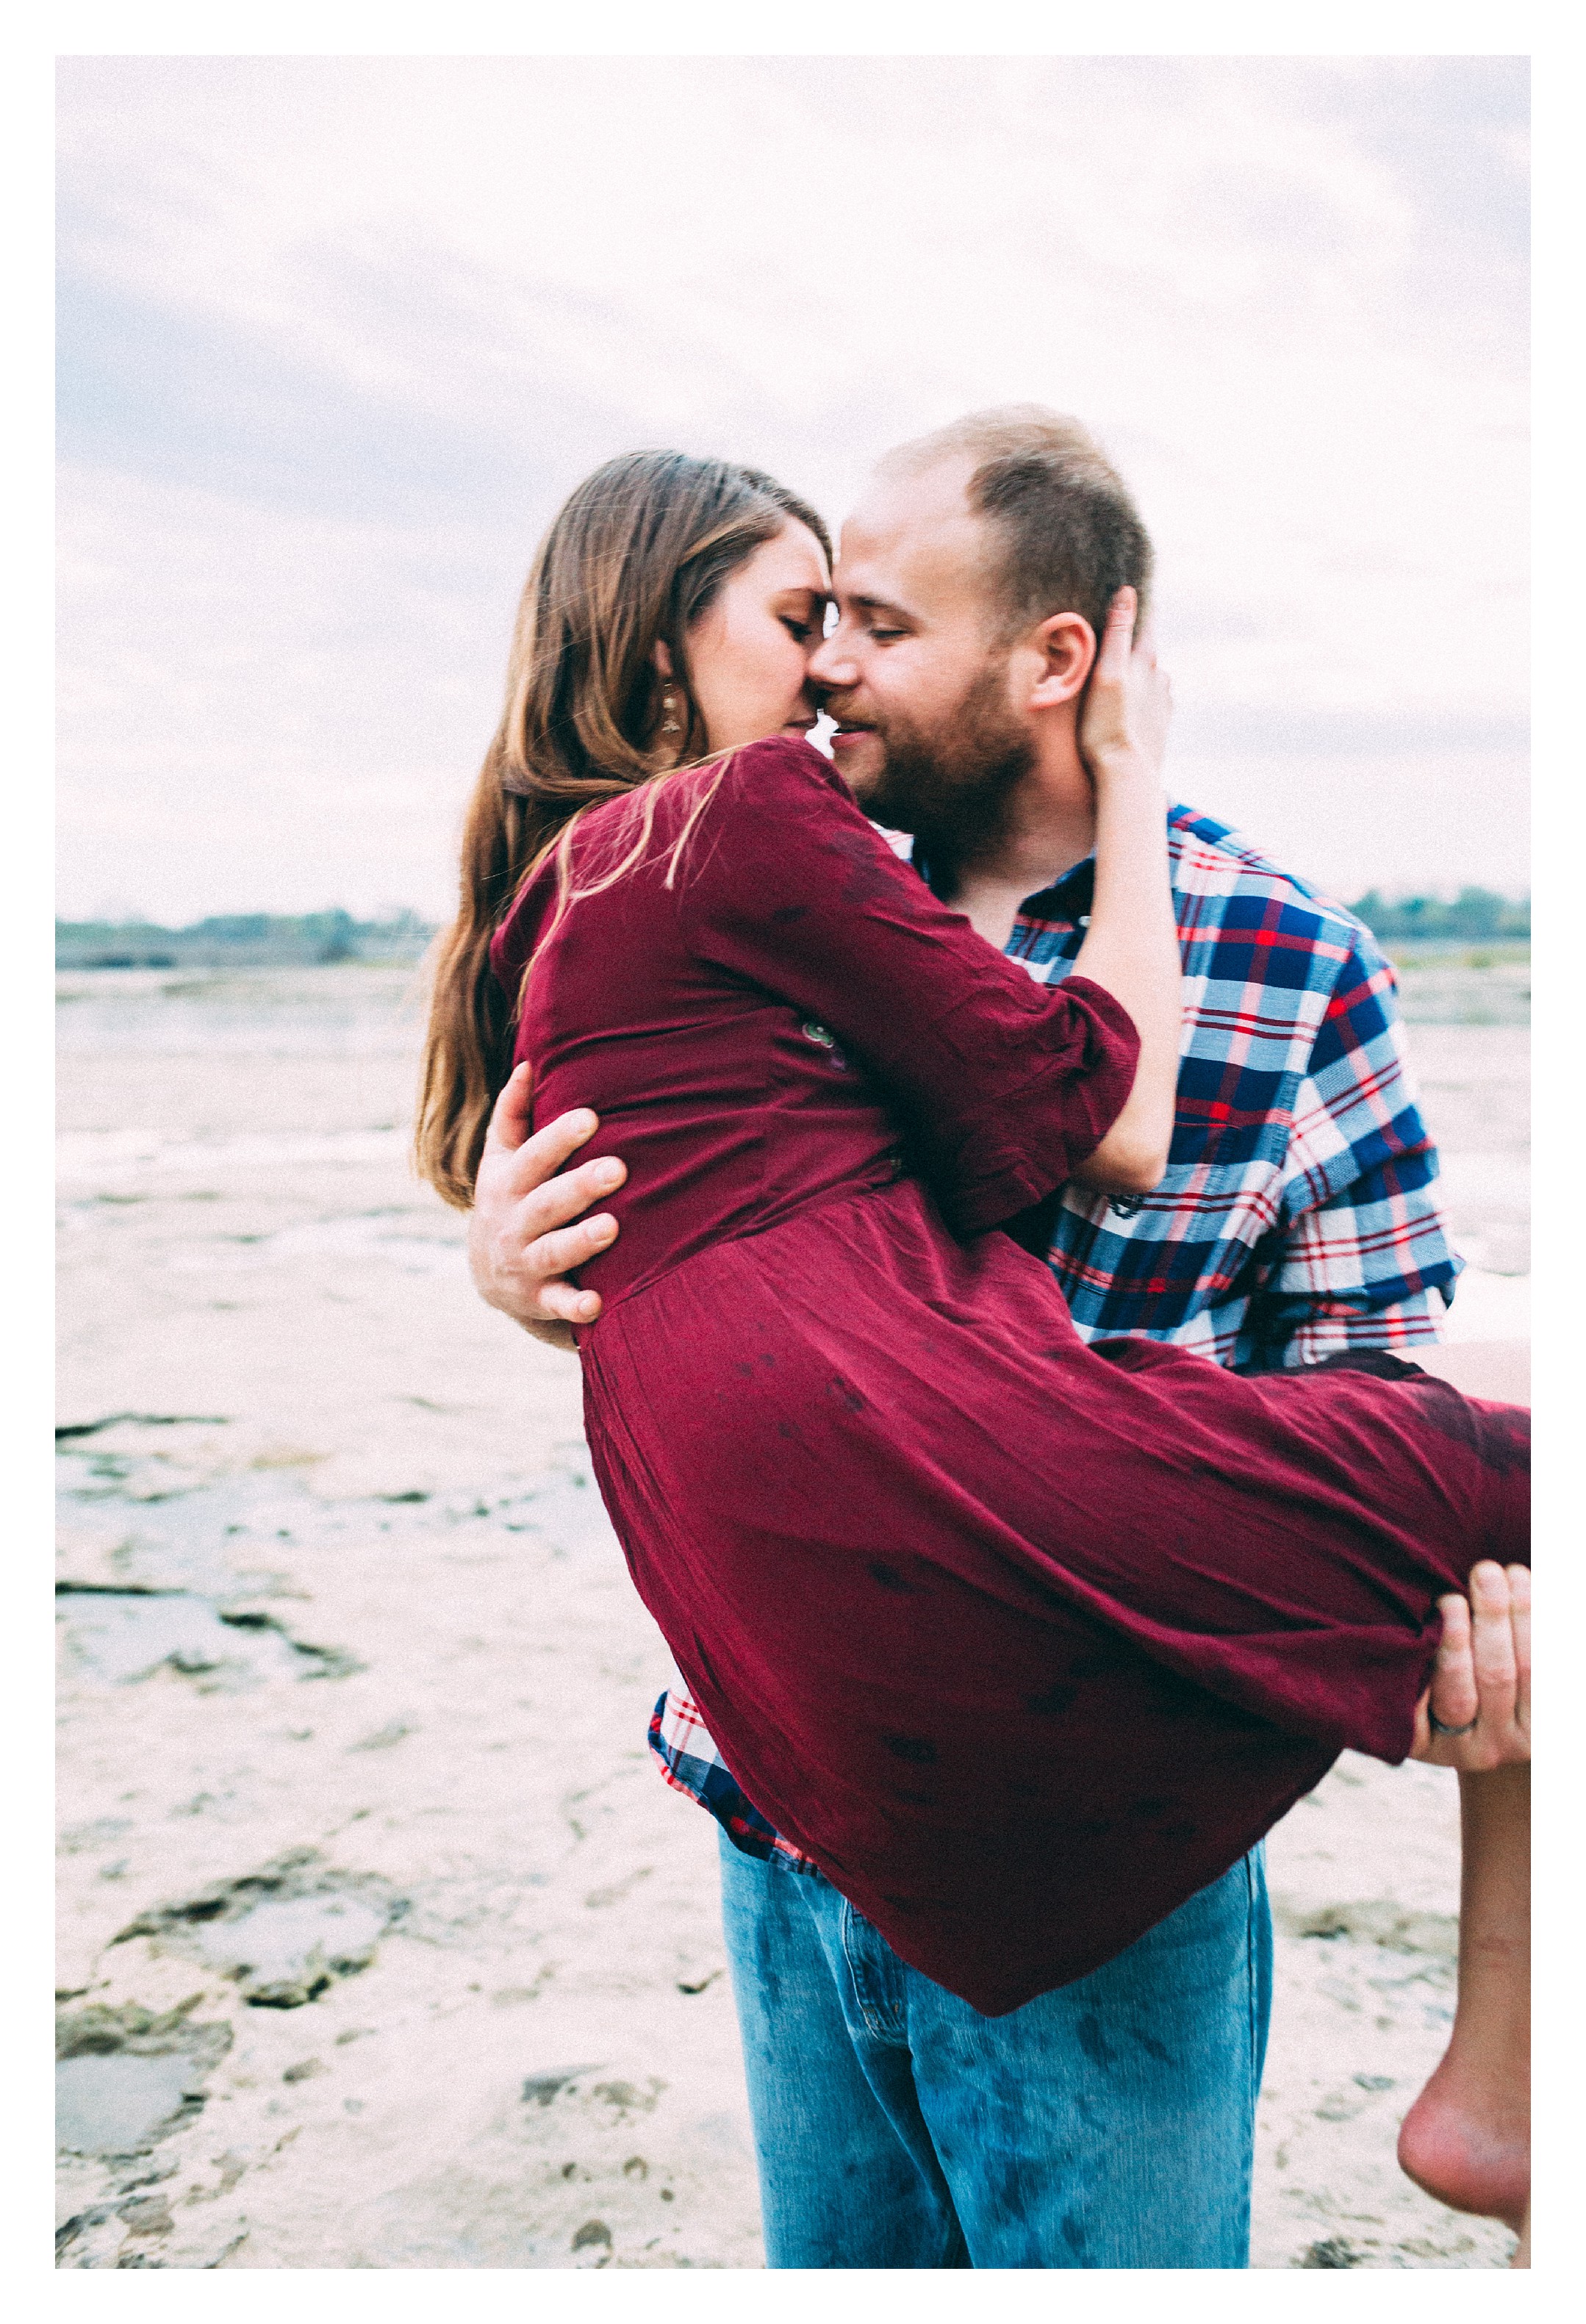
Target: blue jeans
[{"x": 1110, "y": 2123}]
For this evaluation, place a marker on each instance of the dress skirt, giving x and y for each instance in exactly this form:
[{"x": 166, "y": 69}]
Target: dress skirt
[{"x": 1024, "y": 1641}]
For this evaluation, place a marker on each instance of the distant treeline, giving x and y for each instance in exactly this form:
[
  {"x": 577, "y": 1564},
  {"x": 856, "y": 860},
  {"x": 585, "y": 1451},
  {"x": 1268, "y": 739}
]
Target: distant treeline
[
  {"x": 265, "y": 940},
  {"x": 240, "y": 940},
  {"x": 1475, "y": 915}
]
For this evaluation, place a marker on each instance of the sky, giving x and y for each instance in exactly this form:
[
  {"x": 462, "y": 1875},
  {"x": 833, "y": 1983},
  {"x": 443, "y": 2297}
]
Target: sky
[{"x": 337, "y": 335}]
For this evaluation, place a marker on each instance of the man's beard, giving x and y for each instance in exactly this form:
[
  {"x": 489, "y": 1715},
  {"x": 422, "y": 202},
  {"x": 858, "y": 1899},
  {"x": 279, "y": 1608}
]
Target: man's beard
[{"x": 952, "y": 787}]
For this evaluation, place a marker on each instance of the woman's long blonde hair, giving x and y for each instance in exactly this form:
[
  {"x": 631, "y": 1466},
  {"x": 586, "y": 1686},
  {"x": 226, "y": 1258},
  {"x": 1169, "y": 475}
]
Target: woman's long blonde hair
[{"x": 633, "y": 559}]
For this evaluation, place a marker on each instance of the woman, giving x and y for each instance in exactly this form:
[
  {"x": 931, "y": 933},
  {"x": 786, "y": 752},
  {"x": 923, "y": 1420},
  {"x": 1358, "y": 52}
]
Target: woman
[{"x": 973, "y": 1609}]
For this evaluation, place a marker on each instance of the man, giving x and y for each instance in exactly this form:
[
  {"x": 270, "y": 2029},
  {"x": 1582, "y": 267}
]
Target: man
[{"x": 1109, "y": 2123}]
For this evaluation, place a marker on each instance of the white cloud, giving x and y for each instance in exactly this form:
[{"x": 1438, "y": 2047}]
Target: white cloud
[
  {"x": 350, "y": 329},
  {"x": 265, "y": 709}
]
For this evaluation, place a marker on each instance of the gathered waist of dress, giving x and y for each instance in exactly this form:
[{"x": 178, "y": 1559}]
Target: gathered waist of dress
[{"x": 890, "y": 1178}]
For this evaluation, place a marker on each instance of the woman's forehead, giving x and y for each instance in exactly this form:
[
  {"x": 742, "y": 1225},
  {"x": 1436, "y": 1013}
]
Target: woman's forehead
[{"x": 793, "y": 560}]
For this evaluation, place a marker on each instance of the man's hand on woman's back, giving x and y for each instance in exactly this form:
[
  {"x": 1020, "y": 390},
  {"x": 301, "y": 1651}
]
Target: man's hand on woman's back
[{"x": 525, "y": 1232}]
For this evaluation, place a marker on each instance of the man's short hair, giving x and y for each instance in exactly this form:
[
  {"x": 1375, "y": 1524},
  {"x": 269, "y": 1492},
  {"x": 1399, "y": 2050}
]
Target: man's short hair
[{"x": 1069, "y": 536}]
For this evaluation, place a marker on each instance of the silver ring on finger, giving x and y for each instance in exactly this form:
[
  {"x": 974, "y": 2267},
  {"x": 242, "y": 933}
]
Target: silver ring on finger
[{"x": 1438, "y": 1727}]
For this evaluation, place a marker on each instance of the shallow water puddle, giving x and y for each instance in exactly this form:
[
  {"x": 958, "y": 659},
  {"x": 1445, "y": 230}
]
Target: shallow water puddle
[
  {"x": 121, "y": 2104},
  {"x": 283, "y": 1934},
  {"x": 124, "y": 2079},
  {"x": 122, "y": 1635},
  {"x": 159, "y": 1522},
  {"x": 292, "y": 1945}
]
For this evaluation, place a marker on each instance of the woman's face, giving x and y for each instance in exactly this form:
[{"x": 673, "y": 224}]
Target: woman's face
[{"x": 749, "y": 651}]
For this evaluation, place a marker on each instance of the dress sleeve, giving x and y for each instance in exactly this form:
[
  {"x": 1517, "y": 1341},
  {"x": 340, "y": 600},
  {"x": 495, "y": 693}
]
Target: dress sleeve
[{"x": 1002, "y": 1085}]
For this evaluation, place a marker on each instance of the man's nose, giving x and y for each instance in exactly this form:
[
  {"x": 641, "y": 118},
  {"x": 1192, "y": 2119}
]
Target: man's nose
[{"x": 831, "y": 664}]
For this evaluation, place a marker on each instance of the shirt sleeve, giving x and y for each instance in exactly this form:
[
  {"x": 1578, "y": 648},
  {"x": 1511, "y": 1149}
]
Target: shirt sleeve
[
  {"x": 1002, "y": 1085},
  {"x": 1361, "y": 1256}
]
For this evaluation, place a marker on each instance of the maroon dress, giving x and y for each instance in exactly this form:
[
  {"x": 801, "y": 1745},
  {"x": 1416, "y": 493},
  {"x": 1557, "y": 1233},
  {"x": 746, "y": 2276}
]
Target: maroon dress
[{"x": 1024, "y": 1641}]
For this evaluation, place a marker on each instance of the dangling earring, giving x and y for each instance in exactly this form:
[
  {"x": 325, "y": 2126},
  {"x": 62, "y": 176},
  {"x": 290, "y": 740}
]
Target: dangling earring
[{"x": 668, "y": 703}]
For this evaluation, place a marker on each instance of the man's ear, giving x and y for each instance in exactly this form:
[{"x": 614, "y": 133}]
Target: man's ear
[{"x": 1065, "y": 650}]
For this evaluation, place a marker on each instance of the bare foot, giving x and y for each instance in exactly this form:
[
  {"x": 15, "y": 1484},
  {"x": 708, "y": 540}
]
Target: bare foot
[{"x": 1467, "y": 2141}]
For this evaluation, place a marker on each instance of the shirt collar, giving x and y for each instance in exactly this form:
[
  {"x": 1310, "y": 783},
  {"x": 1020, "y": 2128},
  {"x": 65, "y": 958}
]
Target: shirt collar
[{"x": 1066, "y": 899}]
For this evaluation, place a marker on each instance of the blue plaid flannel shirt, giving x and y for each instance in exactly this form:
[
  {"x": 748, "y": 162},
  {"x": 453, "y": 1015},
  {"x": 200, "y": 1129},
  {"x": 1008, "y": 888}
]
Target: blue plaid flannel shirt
[{"x": 1297, "y": 1218}]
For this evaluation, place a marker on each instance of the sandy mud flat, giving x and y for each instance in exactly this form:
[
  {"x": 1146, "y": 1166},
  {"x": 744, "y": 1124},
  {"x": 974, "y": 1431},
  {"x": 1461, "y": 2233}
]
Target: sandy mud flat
[{"x": 383, "y": 1945}]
